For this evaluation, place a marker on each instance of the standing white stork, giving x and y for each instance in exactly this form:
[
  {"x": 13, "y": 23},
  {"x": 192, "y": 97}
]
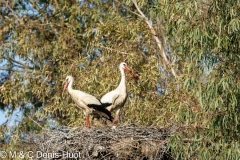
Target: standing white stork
[
  {"x": 87, "y": 102},
  {"x": 116, "y": 99}
]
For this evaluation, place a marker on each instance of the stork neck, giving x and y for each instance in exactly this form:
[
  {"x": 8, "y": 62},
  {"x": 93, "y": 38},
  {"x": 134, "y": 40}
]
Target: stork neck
[
  {"x": 123, "y": 81},
  {"x": 70, "y": 86}
]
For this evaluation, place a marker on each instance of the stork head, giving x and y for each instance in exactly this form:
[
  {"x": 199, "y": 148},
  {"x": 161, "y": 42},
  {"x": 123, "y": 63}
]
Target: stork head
[
  {"x": 124, "y": 66},
  {"x": 68, "y": 80}
]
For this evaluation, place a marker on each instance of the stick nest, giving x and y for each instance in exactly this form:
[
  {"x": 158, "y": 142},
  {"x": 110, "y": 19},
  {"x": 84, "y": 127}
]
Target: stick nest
[{"x": 123, "y": 142}]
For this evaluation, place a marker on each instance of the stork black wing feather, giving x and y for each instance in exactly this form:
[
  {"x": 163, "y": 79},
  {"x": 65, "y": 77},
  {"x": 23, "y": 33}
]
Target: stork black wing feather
[
  {"x": 101, "y": 108},
  {"x": 105, "y": 105}
]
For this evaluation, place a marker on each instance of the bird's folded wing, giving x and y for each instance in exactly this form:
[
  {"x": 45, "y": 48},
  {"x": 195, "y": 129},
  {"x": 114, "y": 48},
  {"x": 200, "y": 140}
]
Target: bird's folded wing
[{"x": 102, "y": 111}]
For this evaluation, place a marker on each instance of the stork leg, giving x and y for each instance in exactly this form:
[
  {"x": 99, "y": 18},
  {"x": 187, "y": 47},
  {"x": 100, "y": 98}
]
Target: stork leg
[
  {"x": 116, "y": 117},
  {"x": 105, "y": 122},
  {"x": 87, "y": 121}
]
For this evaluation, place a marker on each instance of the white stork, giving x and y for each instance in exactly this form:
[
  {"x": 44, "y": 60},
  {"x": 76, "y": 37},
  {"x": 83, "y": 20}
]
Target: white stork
[
  {"x": 87, "y": 102},
  {"x": 116, "y": 99}
]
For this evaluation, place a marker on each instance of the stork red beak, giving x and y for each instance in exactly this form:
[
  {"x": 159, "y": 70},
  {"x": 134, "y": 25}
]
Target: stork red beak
[
  {"x": 127, "y": 69},
  {"x": 65, "y": 86},
  {"x": 131, "y": 72}
]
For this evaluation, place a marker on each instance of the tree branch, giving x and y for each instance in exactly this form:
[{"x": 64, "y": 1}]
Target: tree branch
[
  {"x": 18, "y": 62},
  {"x": 35, "y": 122},
  {"x": 159, "y": 42},
  {"x": 56, "y": 2}
]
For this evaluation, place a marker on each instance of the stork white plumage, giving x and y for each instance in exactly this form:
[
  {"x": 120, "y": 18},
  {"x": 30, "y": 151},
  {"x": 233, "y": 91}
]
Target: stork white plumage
[
  {"x": 116, "y": 99},
  {"x": 88, "y": 103}
]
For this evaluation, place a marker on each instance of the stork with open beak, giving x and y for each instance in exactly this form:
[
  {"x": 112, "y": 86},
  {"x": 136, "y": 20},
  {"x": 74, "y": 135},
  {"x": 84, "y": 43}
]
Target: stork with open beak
[
  {"x": 88, "y": 103},
  {"x": 116, "y": 99}
]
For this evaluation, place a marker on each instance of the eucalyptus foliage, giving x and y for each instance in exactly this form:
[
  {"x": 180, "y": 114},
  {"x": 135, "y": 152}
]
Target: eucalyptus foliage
[{"x": 43, "y": 41}]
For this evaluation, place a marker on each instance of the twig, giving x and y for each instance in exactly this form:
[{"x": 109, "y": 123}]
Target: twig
[
  {"x": 36, "y": 122},
  {"x": 56, "y": 2}
]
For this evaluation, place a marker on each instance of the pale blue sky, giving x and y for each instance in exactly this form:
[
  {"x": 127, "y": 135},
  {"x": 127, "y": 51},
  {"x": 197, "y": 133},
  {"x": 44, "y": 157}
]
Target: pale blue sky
[
  {"x": 2, "y": 117},
  {"x": 12, "y": 119}
]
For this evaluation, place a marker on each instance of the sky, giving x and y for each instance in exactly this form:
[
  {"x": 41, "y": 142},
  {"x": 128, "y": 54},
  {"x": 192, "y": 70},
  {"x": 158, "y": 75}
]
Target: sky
[
  {"x": 12, "y": 119},
  {"x": 2, "y": 114},
  {"x": 2, "y": 117}
]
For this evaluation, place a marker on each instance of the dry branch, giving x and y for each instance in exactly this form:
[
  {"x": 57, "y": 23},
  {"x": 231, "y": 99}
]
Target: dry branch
[{"x": 157, "y": 39}]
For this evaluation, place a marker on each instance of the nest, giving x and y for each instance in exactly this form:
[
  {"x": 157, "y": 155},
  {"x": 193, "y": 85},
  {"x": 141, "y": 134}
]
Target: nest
[{"x": 123, "y": 142}]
